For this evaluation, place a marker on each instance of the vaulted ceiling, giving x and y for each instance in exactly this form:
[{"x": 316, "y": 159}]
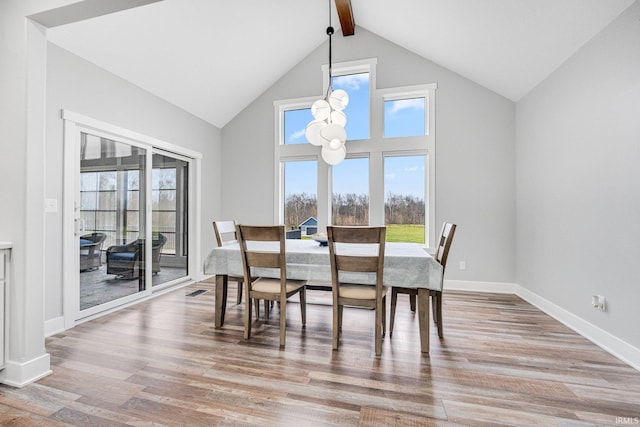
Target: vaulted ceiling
[{"x": 213, "y": 57}]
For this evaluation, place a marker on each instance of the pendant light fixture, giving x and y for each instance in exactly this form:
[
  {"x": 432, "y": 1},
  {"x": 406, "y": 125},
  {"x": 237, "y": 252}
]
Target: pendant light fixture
[{"x": 327, "y": 127}]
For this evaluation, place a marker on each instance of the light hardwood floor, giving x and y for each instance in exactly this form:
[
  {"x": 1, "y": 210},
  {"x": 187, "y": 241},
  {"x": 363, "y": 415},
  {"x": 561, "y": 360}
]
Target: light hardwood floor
[{"x": 502, "y": 362}]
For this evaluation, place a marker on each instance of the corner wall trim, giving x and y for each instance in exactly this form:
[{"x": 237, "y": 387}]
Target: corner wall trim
[
  {"x": 53, "y": 326},
  {"x": 18, "y": 374}
]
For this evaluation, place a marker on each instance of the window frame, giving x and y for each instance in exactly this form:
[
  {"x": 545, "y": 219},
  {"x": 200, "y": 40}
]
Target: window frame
[{"x": 376, "y": 148}]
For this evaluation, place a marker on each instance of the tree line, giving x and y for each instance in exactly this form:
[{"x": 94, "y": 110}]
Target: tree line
[{"x": 353, "y": 209}]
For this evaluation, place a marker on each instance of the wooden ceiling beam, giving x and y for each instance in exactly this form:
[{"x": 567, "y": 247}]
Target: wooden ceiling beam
[{"x": 345, "y": 13}]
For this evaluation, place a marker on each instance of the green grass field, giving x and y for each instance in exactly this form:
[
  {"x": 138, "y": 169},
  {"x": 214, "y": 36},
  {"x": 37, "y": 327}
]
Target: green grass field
[
  {"x": 405, "y": 233},
  {"x": 401, "y": 233}
]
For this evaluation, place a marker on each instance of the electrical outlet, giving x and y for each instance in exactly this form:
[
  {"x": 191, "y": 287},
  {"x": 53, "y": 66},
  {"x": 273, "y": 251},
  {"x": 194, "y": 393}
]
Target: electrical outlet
[
  {"x": 598, "y": 302},
  {"x": 463, "y": 265}
]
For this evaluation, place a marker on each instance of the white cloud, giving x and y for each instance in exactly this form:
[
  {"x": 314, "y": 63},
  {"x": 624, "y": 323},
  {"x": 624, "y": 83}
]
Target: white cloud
[
  {"x": 390, "y": 175},
  {"x": 411, "y": 169},
  {"x": 296, "y": 136},
  {"x": 352, "y": 81},
  {"x": 405, "y": 104}
]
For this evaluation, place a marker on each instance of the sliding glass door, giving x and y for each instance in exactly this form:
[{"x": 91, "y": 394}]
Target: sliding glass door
[
  {"x": 110, "y": 223},
  {"x": 130, "y": 220},
  {"x": 115, "y": 184},
  {"x": 169, "y": 217}
]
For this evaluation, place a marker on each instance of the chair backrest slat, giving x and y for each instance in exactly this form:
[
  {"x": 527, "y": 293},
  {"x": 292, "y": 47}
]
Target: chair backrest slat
[
  {"x": 260, "y": 233},
  {"x": 263, "y": 259},
  {"x": 444, "y": 243},
  {"x": 225, "y": 232},
  {"x": 357, "y": 234},
  {"x": 357, "y": 263}
]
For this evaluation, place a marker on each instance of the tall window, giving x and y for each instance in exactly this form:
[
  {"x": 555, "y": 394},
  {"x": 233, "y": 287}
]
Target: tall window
[
  {"x": 388, "y": 175},
  {"x": 98, "y": 203},
  {"x": 350, "y": 200},
  {"x": 404, "y": 208},
  {"x": 300, "y": 196},
  {"x": 163, "y": 202},
  {"x": 132, "y": 206},
  {"x": 105, "y": 193}
]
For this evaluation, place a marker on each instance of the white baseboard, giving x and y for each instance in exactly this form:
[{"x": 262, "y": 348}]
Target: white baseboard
[
  {"x": 20, "y": 374},
  {"x": 603, "y": 339},
  {"x": 53, "y": 326},
  {"x": 464, "y": 285}
]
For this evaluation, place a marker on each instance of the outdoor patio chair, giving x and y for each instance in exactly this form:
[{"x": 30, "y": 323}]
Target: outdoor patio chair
[
  {"x": 124, "y": 260},
  {"x": 91, "y": 251}
]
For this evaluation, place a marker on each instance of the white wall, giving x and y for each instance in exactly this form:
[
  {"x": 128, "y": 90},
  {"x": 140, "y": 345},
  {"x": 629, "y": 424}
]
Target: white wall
[
  {"x": 475, "y": 145},
  {"x": 578, "y": 181},
  {"x": 22, "y": 84},
  {"x": 77, "y": 85}
]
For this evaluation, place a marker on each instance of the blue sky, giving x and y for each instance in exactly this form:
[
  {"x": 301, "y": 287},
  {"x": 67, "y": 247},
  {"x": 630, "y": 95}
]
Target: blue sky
[{"x": 403, "y": 175}]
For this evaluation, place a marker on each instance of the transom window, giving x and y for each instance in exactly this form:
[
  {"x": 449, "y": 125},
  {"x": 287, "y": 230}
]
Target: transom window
[
  {"x": 357, "y": 112},
  {"x": 388, "y": 175},
  {"x": 404, "y": 117}
]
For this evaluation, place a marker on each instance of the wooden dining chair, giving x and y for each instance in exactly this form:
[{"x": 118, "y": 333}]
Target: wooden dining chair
[
  {"x": 351, "y": 250},
  {"x": 256, "y": 254},
  {"x": 225, "y": 232},
  {"x": 441, "y": 255}
]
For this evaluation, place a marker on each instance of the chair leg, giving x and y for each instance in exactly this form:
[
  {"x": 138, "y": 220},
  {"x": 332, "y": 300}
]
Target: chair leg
[
  {"x": 267, "y": 311},
  {"x": 412, "y": 301},
  {"x": 438, "y": 304},
  {"x": 394, "y": 300},
  {"x": 303, "y": 306},
  {"x": 247, "y": 319},
  {"x": 336, "y": 326},
  {"x": 378, "y": 333},
  {"x": 239, "y": 298},
  {"x": 384, "y": 315},
  {"x": 434, "y": 307},
  {"x": 283, "y": 321},
  {"x": 256, "y": 302}
]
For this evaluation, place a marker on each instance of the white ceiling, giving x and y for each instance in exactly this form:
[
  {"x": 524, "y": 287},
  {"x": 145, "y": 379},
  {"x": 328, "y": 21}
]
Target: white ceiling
[{"x": 213, "y": 57}]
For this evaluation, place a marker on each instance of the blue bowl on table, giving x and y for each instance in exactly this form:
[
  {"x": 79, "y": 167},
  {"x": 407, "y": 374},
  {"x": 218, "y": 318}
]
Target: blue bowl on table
[{"x": 321, "y": 238}]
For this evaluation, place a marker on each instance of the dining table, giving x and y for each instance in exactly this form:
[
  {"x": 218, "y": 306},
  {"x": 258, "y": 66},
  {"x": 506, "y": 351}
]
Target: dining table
[{"x": 407, "y": 265}]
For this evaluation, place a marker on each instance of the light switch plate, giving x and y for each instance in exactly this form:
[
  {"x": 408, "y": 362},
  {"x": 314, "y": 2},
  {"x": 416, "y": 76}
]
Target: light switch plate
[{"x": 50, "y": 205}]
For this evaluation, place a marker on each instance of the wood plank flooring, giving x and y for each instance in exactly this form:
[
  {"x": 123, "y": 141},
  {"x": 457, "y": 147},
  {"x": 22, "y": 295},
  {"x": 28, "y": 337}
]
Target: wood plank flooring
[{"x": 162, "y": 363}]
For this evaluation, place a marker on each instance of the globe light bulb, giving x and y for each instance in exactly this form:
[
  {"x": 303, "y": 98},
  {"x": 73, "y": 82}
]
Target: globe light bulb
[
  {"x": 333, "y": 157},
  {"x": 312, "y": 132},
  {"x": 333, "y": 131},
  {"x": 335, "y": 144},
  {"x": 339, "y": 118},
  {"x": 339, "y": 99},
  {"x": 320, "y": 109}
]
